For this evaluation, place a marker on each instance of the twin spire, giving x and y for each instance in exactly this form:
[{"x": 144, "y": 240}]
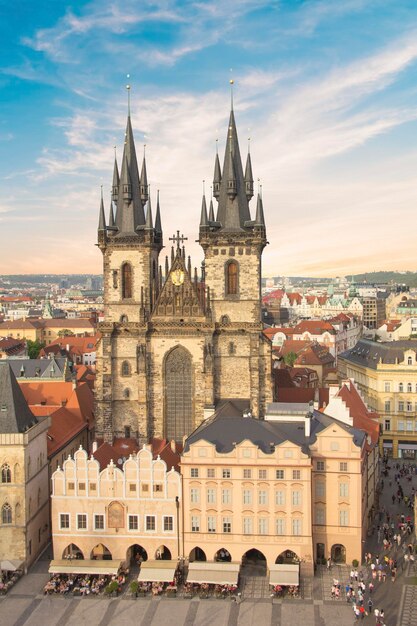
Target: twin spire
[
  {"x": 130, "y": 195},
  {"x": 233, "y": 190}
]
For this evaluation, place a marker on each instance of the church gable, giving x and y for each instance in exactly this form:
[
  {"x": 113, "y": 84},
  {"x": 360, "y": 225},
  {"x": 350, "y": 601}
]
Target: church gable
[{"x": 180, "y": 297}]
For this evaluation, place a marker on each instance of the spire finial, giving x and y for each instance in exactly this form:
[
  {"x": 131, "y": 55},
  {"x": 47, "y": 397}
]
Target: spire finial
[
  {"x": 144, "y": 150},
  {"x": 248, "y": 145},
  {"x": 128, "y": 95},
  {"x": 204, "y": 187},
  {"x": 232, "y": 82},
  {"x": 211, "y": 192},
  {"x": 101, "y": 186},
  {"x": 115, "y": 154},
  {"x": 217, "y": 145}
]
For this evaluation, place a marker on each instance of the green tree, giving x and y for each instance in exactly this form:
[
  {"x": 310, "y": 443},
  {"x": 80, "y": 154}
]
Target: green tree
[
  {"x": 34, "y": 347},
  {"x": 290, "y": 358},
  {"x": 65, "y": 332}
]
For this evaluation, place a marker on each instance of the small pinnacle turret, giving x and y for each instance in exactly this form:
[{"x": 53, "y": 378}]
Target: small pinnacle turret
[
  {"x": 116, "y": 181},
  {"x": 149, "y": 220},
  {"x": 158, "y": 225},
  {"x": 259, "y": 219},
  {"x": 204, "y": 218},
  {"x": 102, "y": 217},
  {"x": 211, "y": 211},
  {"x": 217, "y": 178},
  {"x": 144, "y": 192},
  {"x": 111, "y": 215},
  {"x": 248, "y": 178}
]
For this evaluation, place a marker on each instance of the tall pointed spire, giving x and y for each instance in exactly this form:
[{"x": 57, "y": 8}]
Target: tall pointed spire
[
  {"x": 233, "y": 210},
  {"x": 116, "y": 179},
  {"x": 149, "y": 220},
  {"x": 211, "y": 211},
  {"x": 248, "y": 177},
  {"x": 102, "y": 217},
  {"x": 158, "y": 225},
  {"x": 144, "y": 180},
  {"x": 130, "y": 213}
]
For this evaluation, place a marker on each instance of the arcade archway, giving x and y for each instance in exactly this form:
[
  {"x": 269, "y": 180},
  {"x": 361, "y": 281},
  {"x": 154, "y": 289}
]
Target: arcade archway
[
  {"x": 100, "y": 552},
  {"x": 72, "y": 552},
  {"x": 197, "y": 554},
  {"x": 338, "y": 553}
]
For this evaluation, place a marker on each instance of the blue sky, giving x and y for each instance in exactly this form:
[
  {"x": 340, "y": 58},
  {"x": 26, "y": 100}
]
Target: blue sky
[{"x": 326, "y": 90}]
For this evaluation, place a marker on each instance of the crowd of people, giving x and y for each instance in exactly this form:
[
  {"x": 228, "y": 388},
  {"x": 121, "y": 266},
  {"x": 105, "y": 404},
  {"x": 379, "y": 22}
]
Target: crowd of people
[
  {"x": 292, "y": 591},
  {"x": 394, "y": 546},
  {"x": 82, "y": 584},
  {"x": 207, "y": 590},
  {"x": 8, "y": 579}
]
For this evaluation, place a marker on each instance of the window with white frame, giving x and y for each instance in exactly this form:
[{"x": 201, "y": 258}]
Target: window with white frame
[
  {"x": 344, "y": 518},
  {"x": 81, "y": 521},
  {"x": 211, "y": 524},
  {"x": 247, "y": 473},
  {"x": 194, "y": 495},
  {"x": 288, "y": 454},
  {"x": 280, "y": 526},
  {"x": 247, "y": 496},
  {"x": 168, "y": 523},
  {"x": 195, "y": 523},
  {"x": 64, "y": 521},
  {"x": 296, "y": 526},
  {"x": 262, "y": 474},
  {"x": 211, "y": 496},
  {"x": 320, "y": 466},
  {"x": 344, "y": 490},
  {"x": 280, "y": 474},
  {"x": 387, "y": 425},
  {"x": 387, "y": 406},
  {"x": 320, "y": 488},
  {"x": 296, "y": 474},
  {"x": 400, "y": 387},
  {"x": 98, "y": 522},
  {"x": 262, "y": 497},
  {"x": 401, "y": 406},
  {"x": 226, "y": 496},
  {"x": 409, "y": 406},
  {"x": 211, "y": 472},
  {"x": 343, "y": 466},
  {"x": 320, "y": 516},
  {"x": 387, "y": 387},
  {"x": 150, "y": 523},
  {"x": 194, "y": 472},
  {"x": 400, "y": 425},
  {"x": 409, "y": 387},
  {"x": 409, "y": 425},
  {"x": 280, "y": 497},
  {"x": 263, "y": 525},
  {"x": 247, "y": 526},
  {"x": 226, "y": 472},
  {"x": 227, "y": 524},
  {"x": 296, "y": 497},
  {"x": 133, "y": 522}
]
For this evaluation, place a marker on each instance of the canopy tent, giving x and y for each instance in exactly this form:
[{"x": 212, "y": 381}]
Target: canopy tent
[
  {"x": 157, "y": 571},
  {"x": 284, "y": 574},
  {"x": 214, "y": 573},
  {"x": 84, "y": 566},
  {"x": 11, "y": 565}
]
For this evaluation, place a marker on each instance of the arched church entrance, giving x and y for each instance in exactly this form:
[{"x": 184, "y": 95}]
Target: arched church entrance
[{"x": 178, "y": 394}]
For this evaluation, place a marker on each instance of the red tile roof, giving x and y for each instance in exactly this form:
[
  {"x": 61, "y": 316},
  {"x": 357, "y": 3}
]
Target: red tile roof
[
  {"x": 362, "y": 417},
  {"x": 300, "y": 394},
  {"x": 314, "y": 327}
]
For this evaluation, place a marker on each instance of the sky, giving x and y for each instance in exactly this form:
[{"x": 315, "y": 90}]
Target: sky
[{"x": 325, "y": 90}]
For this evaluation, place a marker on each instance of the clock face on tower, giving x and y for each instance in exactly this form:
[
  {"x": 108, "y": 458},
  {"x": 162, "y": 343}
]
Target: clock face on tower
[{"x": 177, "y": 277}]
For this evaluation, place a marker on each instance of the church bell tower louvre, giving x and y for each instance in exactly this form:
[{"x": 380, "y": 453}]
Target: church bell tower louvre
[{"x": 175, "y": 343}]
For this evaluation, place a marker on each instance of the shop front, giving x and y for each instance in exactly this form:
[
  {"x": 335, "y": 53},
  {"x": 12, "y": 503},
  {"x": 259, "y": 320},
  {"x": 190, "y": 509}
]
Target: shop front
[
  {"x": 387, "y": 448},
  {"x": 407, "y": 450}
]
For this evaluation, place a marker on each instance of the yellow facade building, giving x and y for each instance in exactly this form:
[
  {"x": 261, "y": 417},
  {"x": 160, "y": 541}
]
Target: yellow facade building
[{"x": 386, "y": 375}]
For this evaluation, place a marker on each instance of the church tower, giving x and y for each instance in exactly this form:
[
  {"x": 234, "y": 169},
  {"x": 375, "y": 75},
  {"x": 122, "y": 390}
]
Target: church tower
[
  {"x": 233, "y": 245},
  {"x": 175, "y": 344},
  {"x": 130, "y": 244}
]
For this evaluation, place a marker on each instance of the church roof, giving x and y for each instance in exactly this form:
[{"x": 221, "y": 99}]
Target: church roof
[{"x": 15, "y": 415}]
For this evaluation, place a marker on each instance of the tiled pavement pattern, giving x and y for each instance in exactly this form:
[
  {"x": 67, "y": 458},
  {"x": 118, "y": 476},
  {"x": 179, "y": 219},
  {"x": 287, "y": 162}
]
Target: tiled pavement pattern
[{"x": 409, "y": 603}]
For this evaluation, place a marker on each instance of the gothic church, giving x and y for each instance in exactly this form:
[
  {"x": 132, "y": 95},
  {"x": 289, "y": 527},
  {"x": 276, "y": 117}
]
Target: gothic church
[{"x": 177, "y": 342}]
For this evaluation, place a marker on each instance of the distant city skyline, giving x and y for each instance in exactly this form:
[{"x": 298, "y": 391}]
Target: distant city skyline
[{"x": 326, "y": 92}]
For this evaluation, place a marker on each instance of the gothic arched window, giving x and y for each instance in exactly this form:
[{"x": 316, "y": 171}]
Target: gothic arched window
[
  {"x": 6, "y": 475},
  {"x": 6, "y": 513},
  {"x": 232, "y": 278},
  {"x": 126, "y": 280},
  {"x": 178, "y": 394},
  {"x": 125, "y": 368}
]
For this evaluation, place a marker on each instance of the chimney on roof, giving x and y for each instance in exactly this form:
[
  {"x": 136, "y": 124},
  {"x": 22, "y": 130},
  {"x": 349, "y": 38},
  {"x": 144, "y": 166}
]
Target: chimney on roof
[
  {"x": 333, "y": 391},
  {"x": 307, "y": 419},
  {"x": 94, "y": 447},
  {"x": 173, "y": 446}
]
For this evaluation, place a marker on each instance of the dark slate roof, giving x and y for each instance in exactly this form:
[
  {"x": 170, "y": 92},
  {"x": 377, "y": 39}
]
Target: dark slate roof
[
  {"x": 227, "y": 428},
  {"x": 232, "y": 213},
  {"x": 15, "y": 415},
  {"x": 55, "y": 368},
  {"x": 369, "y": 353},
  {"x": 129, "y": 215}
]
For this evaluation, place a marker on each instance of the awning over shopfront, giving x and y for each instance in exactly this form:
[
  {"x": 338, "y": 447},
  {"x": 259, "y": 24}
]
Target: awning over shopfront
[
  {"x": 11, "y": 565},
  {"x": 157, "y": 571},
  {"x": 213, "y": 573},
  {"x": 284, "y": 574},
  {"x": 84, "y": 566},
  {"x": 387, "y": 443},
  {"x": 407, "y": 445}
]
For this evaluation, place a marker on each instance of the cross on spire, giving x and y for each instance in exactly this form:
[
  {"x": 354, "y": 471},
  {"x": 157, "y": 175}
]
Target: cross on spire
[{"x": 179, "y": 239}]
